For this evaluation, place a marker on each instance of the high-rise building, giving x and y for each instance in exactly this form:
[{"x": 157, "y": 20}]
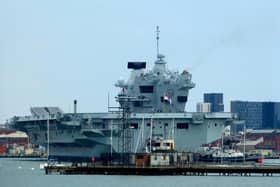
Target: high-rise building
[
  {"x": 203, "y": 107},
  {"x": 216, "y": 101},
  {"x": 271, "y": 115},
  {"x": 257, "y": 115},
  {"x": 249, "y": 111}
]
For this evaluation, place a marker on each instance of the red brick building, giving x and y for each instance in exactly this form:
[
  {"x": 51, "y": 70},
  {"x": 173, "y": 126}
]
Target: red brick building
[
  {"x": 271, "y": 139},
  {"x": 9, "y": 137}
]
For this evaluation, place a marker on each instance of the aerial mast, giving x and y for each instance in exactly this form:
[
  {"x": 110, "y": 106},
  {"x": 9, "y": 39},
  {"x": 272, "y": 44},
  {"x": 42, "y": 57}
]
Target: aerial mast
[{"x": 157, "y": 31}]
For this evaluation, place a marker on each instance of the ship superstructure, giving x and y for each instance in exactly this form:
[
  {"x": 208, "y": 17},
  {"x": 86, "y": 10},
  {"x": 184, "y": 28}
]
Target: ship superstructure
[
  {"x": 152, "y": 104},
  {"x": 157, "y": 90}
]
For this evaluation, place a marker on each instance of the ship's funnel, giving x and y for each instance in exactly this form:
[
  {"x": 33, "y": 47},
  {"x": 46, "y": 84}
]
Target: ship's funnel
[{"x": 75, "y": 106}]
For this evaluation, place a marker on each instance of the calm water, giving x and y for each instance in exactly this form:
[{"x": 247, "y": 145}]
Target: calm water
[{"x": 22, "y": 173}]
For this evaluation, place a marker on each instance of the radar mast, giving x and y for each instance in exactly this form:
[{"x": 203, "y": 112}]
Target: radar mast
[{"x": 157, "y": 31}]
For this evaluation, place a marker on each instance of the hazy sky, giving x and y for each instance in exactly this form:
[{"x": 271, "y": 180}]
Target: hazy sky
[{"x": 55, "y": 51}]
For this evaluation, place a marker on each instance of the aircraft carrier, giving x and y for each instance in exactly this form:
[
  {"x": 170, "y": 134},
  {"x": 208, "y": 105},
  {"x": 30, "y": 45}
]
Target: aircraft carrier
[{"x": 151, "y": 105}]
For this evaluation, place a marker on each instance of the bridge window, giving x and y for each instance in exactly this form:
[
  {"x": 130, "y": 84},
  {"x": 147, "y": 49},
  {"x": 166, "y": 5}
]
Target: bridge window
[
  {"x": 146, "y": 89},
  {"x": 182, "y": 98}
]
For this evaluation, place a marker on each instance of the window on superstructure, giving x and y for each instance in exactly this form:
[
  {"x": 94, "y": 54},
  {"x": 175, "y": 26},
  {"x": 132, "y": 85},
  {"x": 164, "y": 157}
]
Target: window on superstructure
[
  {"x": 182, "y": 98},
  {"x": 157, "y": 144},
  {"x": 133, "y": 125},
  {"x": 146, "y": 89},
  {"x": 138, "y": 103},
  {"x": 166, "y": 144},
  {"x": 182, "y": 125}
]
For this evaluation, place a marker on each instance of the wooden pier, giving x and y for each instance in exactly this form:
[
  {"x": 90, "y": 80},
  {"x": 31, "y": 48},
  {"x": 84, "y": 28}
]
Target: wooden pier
[{"x": 193, "y": 170}]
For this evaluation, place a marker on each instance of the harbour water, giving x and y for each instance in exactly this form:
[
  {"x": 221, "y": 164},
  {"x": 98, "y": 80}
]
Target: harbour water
[{"x": 26, "y": 173}]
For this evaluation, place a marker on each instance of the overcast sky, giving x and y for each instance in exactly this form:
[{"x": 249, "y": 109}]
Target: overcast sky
[{"x": 55, "y": 51}]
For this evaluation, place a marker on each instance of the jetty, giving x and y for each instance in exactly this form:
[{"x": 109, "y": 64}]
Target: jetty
[{"x": 188, "y": 170}]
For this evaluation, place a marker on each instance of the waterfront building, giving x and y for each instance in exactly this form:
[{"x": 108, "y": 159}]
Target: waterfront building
[
  {"x": 271, "y": 139},
  {"x": 12, "y": 141},
  {"x": 216, "y": 101},
  {"x": 257, "y": 115},
  {"x": 203, "y": 107}
]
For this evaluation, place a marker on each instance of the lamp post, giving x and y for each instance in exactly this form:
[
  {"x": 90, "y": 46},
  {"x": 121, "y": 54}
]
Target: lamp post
[
  {"x": 48, "y": 137},
  {"x": 244, "y": 138},
  {"x": 222, "y": 146}
]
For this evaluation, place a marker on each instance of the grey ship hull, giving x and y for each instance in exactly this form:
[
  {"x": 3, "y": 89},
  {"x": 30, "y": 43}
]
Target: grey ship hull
[
  {"x": 151, "y": 104},
  {"x": 85, "y": 135}
]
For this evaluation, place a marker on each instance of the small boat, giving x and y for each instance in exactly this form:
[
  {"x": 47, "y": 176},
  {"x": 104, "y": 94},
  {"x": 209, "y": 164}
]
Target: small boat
[
  {"x": 216, "y": 154},
  {"x": 46, "y": 164},
  {"x": 43, "y": 165}
]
